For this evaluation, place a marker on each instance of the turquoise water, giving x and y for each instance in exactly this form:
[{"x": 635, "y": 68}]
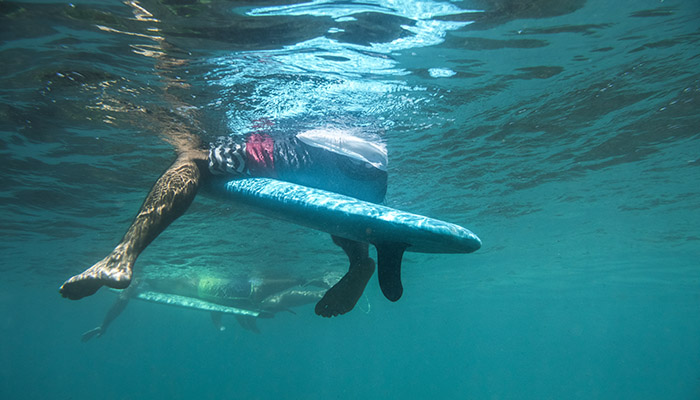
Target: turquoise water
[{"x": 566, "y": 134}]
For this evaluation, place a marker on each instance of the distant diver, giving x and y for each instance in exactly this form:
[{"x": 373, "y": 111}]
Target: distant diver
[
  {"x": 246, "y": 298},
  {"x": 333, "y": 159}
]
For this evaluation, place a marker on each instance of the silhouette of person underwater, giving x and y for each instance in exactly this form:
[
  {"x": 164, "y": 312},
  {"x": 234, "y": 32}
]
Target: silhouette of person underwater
[{"x": 246, "y": 298}]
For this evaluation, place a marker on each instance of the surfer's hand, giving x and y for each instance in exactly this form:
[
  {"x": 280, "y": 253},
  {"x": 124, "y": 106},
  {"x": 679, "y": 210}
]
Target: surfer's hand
[{"x": 92, "y": 333}]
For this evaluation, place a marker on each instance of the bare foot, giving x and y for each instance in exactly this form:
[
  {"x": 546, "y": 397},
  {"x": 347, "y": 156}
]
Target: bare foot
[
  {"x": 113, "y": 271},
  {"x": 343, "y": 296}
]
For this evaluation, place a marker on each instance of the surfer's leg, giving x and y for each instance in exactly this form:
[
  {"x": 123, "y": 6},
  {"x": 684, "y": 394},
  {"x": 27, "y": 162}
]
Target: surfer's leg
[
  {"x": 343, "y": 296},
  {"x": 266, "y": 287},
  {"x": 168, "y": 199}
]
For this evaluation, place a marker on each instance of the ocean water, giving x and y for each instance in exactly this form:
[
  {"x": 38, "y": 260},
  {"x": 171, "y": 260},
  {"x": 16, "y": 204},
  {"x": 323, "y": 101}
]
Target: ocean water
[{"x": 566, "y": 134}]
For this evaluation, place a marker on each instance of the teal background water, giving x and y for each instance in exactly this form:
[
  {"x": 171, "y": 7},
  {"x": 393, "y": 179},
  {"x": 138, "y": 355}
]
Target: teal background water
[{"x": 566, "y": 134}]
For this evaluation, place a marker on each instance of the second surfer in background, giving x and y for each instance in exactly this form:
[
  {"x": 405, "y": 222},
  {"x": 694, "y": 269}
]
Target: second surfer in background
[{"x": 246, "y": 298}]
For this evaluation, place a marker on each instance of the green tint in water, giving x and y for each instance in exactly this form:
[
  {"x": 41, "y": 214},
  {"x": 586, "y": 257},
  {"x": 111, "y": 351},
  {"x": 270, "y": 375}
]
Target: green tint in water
[{"x": 564, "y": 133}]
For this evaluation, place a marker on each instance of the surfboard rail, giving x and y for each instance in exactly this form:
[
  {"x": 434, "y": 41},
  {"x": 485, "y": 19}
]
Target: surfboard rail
[
  {"x": 348, "y": 217},
  {"x": 190, "y": 302}
]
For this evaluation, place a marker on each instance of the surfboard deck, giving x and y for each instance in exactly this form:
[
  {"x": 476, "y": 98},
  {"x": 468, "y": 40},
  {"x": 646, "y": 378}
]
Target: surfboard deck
[{"x": 350, "y": 218}]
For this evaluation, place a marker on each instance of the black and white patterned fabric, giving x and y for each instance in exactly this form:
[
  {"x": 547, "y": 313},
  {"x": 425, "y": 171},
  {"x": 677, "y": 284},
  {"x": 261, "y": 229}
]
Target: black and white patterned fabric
[{"x": 227, "y": 156}]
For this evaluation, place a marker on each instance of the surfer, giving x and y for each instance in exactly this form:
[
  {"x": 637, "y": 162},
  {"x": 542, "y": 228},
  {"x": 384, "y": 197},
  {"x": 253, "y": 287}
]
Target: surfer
[
  {"x": 333, "y": 159},
  {"x": 253, "y": 297}
]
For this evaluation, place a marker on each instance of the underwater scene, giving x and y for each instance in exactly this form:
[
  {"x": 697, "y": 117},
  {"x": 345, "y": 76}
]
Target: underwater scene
[{"x": 565, "y": 134}]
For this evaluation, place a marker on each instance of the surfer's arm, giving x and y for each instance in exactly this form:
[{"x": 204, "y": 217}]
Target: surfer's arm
[{"x": 114, "y": 311}]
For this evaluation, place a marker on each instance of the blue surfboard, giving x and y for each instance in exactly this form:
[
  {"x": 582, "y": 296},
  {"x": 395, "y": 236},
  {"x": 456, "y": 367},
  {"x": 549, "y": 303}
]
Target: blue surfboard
[
  {"x": 198, "y": 304},
  {"x": 390, "y": 230}
]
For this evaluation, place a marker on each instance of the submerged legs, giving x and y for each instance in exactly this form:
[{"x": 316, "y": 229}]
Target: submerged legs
[
  {"x": 169, "y": 198},
  {"x": 343, "y": 296}
]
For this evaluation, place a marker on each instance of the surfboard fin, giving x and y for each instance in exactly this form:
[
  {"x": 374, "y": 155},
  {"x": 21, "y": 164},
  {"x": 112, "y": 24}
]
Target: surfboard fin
[
  {"x": 216, "y": 320},
  {"x": 389, "y": 269}
]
